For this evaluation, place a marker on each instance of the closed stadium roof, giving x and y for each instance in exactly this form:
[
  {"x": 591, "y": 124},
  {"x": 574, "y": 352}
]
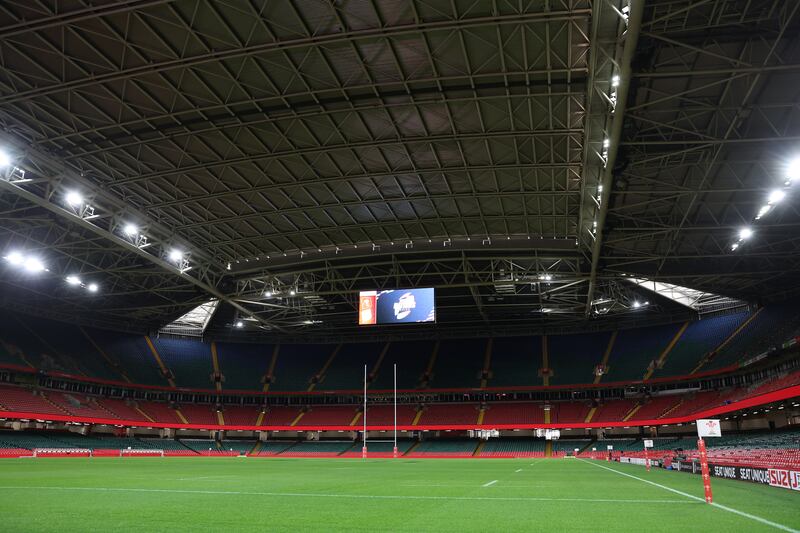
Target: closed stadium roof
[{"x": 280, "y": 156}]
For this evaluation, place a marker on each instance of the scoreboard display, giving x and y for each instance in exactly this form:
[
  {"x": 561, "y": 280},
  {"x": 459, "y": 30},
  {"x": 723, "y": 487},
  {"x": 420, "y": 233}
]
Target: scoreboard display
[{"x": 400, "y": 306}]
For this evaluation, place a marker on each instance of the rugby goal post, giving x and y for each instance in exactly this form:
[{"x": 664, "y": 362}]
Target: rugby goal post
[
  {"x": 140, "y": 452},
  {"x": 62, "y": 452}
]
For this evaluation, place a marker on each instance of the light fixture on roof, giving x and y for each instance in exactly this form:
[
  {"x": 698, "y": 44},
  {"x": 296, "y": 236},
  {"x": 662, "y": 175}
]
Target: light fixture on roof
[
  {"x": 637, "y": 304},
  {"x": 73, "y": 280},
  {"x": 615, "y": 80},
  {"x": 5, "y": 159},
  {"x": 793, "y": 171},
  {"x": 175, "y": 255},
  {"x": 745, "y": 233},
  {"x": 239, "y": 324},
  {"x": 92, "y": 287},
  {"x": 268, "y": 294},
  {"x": 130, "y": 230},
  {"x": 292, "y": 292},
  {"x": 606, "y": 143},
  {"x": 776, "y": 196},
  {"x": 33, "y": 265},
  {"x": 763, "y": 211},
  {"x": 15, "y": 258},
  {"x": 734, "y": 246},
  {"x": 74, "y": 199}
]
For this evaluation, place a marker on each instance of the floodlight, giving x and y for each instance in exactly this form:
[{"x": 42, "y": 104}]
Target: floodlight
[
  {"x": 268, "y": 294},
  {"x": 745, "y": 233},
  {"x": 734, "y": 246},
  {"x": 636, "y": 305},
  {"x": 793, "y": 170},
  {"x": 763, "y": 211},
  {"x": 776, "y": 196},
  {"x": 33, "y": 265},
  {"x": 606, "y": 143},
  {"x": 73, "y": 280},
  {"x": 615, "y": 81},
  {"x": 74, "y": 199},
  {"x": 5, "y": 159},
  {"x": 175, "y": 255},
  {"x": 292, "y": 292},
  {"x": 15, "y": 258},
  {"x": 92, "y": 287},
  {"x": 239, "y": 324},
  {"x": 130, "y": 230}
]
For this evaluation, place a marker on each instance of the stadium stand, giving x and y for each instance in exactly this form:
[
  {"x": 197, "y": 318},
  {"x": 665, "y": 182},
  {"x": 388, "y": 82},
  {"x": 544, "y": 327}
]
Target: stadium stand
[
  {"x": 188, "y": 360},
  {"x": 455, "y": 414},
  {"x": 700, "y": 338},
  {"x": 444, "y": 448},
  {"x": 514, "y": 413},
  {"x": 516, "y": 361},
  {"x": 328, "y": 416},
  {"x": 573, "y": 358},
  {"x": 458, "y": 364},
  {"x": 346, "y": 372},
  {"x": 635, "y": 349},
  {"x": 298, "y": 364},
  {"x": 244, "y": 366},
  {"x": 317, "y": 449},
  {"x": 411, "y": 358},
  {"x": 511, "y": 447}
]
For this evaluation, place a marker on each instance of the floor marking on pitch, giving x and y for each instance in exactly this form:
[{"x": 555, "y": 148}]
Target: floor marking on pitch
[
  {"x": 490, "y": 483},
  {"x": 346, "y": 496},
  {"x": 699, "y": 499},
  {"x": 519, "y": 470}
]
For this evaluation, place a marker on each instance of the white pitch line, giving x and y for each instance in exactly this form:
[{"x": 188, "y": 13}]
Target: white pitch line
[
  {"x": 717, "y": 505},
  {"x": 490, "y": 483},
  {"x": 355, "y": 496},
  {"x": 518, "y": 470}
]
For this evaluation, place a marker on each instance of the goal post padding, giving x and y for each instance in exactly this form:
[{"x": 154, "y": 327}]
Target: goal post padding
[{"x": 62, "y": 452}]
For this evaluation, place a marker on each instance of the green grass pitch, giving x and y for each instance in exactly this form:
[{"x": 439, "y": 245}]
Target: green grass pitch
[{"x": 258, "y": 494}]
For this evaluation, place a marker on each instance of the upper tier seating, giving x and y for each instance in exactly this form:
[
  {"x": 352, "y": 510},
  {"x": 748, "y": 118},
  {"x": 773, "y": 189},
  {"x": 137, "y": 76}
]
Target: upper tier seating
[
  {"x": 455, "y": 364},
  {"x": 133, "y": 355},
  {"x": 346, "y": 371},
  {"x": 297, "y": 364},
  {"x": 700, "y": 338},
  {"x": 516, "y": 361},
  {"x": 458, "y": 363},
  {"x": 244, "y": 365},
  {"x": 573, "y": 358},
  {"x": 411, "y": 358},
  {"x": 634, "y": 349},
  {"x": 188, "y": 360},
  {"x": 770, "y": 327}
]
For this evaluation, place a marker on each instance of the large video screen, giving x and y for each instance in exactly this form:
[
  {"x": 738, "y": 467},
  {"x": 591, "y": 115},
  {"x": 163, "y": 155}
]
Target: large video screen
[{"x": 402, "y": 306}]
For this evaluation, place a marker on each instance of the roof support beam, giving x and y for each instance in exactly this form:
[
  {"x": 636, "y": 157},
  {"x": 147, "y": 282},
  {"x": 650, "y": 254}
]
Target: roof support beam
[{"x": 614, "y": 137}]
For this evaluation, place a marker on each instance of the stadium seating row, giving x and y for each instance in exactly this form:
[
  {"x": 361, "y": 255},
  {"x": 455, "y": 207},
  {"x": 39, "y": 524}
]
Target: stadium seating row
[
  {"x": 622, "y": 356},
  {"x": 78, "y": 407},
  {"x": 759, "y": 449}
]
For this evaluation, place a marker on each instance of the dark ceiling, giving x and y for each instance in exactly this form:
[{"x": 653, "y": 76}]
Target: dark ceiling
[{"x": 481, "y": 147}]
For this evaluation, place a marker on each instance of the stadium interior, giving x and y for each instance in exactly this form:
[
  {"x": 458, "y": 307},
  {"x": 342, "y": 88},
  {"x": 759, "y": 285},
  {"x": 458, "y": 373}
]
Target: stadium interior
[{"x": 390, "y": 230}]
